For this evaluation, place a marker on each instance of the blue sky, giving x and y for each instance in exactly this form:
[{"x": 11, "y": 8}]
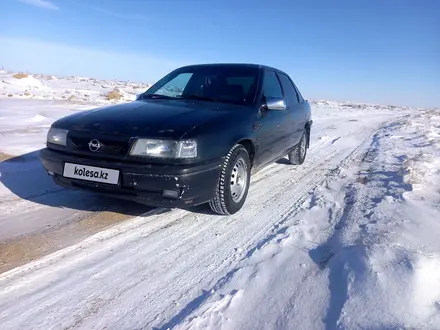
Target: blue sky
[{"x": 384, "y": 51}]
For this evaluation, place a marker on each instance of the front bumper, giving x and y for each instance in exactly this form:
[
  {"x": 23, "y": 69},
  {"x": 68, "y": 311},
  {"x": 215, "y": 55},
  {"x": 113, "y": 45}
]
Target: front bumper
[{"x": 143, "y": 183}]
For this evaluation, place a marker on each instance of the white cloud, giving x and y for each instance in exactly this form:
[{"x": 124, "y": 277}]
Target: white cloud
[
  {"x": 41, "y": 3},
  {"x": 122, "y": 15}
]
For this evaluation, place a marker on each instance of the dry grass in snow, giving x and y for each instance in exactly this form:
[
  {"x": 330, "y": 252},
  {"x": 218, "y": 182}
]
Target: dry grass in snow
[
  {"x": 114, "y": 95},
  {"x": 20, "y": 75}
]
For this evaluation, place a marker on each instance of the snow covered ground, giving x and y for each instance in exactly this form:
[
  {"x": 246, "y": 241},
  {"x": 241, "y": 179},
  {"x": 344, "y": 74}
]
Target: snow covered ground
[
  {"x": 77, "y": 90},
  {"x": 349, "y": 240}
]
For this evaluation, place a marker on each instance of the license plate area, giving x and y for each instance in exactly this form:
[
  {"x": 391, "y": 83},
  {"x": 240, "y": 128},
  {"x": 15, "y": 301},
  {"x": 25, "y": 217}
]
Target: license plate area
[{"x": 91, "y": 173}]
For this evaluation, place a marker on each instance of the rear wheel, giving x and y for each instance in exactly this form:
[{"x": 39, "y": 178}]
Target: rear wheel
[
  {"x": 233, "y": 185},
  {"x": 298, "y": 154}
]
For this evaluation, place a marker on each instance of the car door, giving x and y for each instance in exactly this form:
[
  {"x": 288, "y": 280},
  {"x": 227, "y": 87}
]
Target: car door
[
  {"x": 270, "y": 125},
  {"x": 296, "y": 114}
]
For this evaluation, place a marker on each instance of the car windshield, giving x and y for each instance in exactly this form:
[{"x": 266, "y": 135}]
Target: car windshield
[{"x": 230, "y": 84}]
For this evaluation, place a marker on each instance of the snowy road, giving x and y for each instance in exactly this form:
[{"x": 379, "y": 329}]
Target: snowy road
[{"x": 156, "y": 269}]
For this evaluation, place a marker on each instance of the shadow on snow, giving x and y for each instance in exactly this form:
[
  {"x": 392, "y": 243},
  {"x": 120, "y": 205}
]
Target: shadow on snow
[{"x": 26, "y": 178}]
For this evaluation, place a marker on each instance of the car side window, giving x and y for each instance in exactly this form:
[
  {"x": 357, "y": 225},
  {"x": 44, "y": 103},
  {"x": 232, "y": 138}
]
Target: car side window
[
  {"x": 271, "y": 85},
  {"x": 289, "y": 90},
  {"x": 301, "y": 99}
]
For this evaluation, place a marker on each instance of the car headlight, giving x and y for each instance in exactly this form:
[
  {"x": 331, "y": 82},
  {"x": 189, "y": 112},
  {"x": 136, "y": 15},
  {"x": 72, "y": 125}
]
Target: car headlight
[
  {"x": 57, "y": 136},
  {"x": 164, "y": 148}
]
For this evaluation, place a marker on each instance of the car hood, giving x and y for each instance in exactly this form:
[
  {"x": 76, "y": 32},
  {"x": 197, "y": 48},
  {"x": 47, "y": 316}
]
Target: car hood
[{"x": 158, "y": 118}]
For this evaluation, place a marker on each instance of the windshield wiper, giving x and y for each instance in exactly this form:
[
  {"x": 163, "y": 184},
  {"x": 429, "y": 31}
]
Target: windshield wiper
[
  {"x": 198, "y": 97},
  {"x": 210, "y": 99},
  {"x": 156, "y": 96}
]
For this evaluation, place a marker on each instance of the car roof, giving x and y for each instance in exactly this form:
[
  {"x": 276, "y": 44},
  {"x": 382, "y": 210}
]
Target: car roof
[{"x": 244, "y": 65}]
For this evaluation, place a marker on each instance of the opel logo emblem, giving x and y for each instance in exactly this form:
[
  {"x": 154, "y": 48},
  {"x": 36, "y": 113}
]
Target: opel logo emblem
[{"x": 94, "y": 145}]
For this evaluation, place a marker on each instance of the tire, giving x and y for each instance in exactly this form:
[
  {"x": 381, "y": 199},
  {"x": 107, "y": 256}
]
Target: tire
[
  {"x": 233, "y": 184},
  {"x": 299, "y": 152}
]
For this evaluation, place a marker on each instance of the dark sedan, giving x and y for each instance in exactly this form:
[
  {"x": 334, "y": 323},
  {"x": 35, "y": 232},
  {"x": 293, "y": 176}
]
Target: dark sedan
[{"x": 194, "y": 137}]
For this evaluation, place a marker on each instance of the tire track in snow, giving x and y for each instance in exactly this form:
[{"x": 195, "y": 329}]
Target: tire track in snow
[
  {"x": 215, "y": 295},
  {"x": 140, "y": 273},
  {"x": 278, "y": 229}
]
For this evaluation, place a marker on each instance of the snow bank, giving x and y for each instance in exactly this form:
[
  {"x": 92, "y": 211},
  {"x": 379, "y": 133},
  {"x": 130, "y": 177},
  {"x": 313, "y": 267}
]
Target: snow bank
[
  {"x": 74, "y": 90},
  {"x": 371, "y": 231},
  {"x": 26, "y": 82}
]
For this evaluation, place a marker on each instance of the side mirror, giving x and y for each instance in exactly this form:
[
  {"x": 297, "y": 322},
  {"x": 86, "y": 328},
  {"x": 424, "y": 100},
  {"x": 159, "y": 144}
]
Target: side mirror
[{"x": 275, "y": 103}]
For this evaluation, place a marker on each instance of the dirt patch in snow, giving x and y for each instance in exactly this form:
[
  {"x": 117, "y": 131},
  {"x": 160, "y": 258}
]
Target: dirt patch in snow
[
  {"x": 4, "y": 156},
  {"x": 25, "y": 249},
  {"x": 20, "y": 75}
]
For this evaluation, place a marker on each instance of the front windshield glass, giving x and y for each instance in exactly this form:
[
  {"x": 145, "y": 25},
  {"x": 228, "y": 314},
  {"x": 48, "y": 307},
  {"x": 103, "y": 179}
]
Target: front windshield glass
[{"x": 232, "y": 84}]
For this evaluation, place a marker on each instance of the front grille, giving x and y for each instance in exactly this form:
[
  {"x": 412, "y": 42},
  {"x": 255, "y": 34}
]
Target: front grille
[{"x": 107, "y": 145}]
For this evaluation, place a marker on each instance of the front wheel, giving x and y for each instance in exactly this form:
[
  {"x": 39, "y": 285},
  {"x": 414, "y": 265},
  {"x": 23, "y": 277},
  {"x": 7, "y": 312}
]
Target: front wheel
[{"x": 233, "y": 185}]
